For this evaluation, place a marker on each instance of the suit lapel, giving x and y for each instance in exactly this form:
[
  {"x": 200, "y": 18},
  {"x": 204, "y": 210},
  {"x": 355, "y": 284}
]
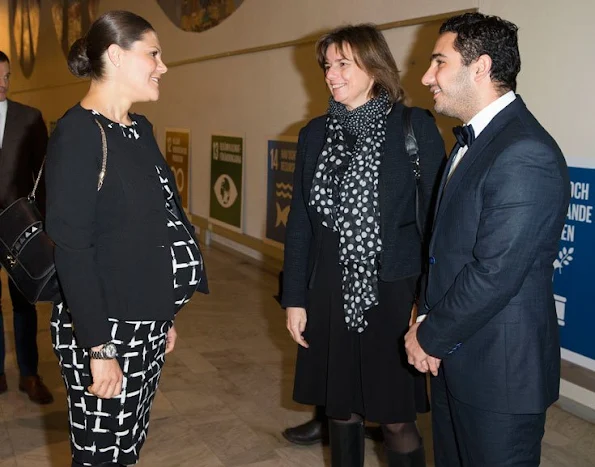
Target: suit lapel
[
  {"x": 473, "y": 153},
  {"x": 467, "y": 161},
  {"x": 444, "y": 179}
]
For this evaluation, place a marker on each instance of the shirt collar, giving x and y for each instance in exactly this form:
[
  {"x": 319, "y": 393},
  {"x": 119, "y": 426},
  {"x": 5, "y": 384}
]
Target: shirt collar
[
  {"x": 486, "y": 115},
  {"x": 4, "y": 106}
]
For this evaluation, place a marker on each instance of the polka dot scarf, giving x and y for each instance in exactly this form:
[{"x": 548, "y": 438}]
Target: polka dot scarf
[{"x": 345, "y": 193}]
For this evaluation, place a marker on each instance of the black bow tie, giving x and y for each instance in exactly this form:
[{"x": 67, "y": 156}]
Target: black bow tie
[{"x": 464, "y": 134}]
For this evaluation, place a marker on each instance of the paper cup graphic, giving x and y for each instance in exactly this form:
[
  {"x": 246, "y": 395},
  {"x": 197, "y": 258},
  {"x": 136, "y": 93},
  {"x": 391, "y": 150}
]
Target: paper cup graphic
[{"x": 560, "y": 309}]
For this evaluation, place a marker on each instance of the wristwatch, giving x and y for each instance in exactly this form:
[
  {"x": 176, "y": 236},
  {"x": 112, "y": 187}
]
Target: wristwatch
[{"x": 109, "y": 351}]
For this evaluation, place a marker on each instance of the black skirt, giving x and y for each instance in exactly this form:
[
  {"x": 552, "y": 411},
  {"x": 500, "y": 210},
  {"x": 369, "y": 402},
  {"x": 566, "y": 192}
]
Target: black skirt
[{"x": 349, "y": 372}]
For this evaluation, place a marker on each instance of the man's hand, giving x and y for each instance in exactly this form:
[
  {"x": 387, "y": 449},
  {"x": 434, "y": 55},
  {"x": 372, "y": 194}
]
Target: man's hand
[
  {"x": 415, "y": 354},
  {"x": 433, "y": 364},
  {"x": 296, "y": 324}
]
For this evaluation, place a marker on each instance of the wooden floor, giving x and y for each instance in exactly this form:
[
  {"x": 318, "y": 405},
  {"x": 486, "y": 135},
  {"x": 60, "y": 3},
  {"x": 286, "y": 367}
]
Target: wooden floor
[{"x": 225, "y": 393}]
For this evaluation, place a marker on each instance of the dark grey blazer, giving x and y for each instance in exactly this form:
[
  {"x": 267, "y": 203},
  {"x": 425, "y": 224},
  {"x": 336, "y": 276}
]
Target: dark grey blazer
[
  {"x": 402, "y": 246},
  {"x": 111, "y": 246},
  {"x": 491, "y": 309},
  {"x": 22, "y": 153}
]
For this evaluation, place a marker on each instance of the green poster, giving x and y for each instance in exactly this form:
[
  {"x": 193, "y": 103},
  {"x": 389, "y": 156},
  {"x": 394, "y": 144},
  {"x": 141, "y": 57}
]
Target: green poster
[
  {"x": 227, "y": 158},
  {"x": 177, "y": 156}
]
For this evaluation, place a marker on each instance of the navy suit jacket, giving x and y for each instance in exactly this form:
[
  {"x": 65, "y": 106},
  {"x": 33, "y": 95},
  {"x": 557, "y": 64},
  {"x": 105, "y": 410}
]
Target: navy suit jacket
[{"x": 489, "y": 298}]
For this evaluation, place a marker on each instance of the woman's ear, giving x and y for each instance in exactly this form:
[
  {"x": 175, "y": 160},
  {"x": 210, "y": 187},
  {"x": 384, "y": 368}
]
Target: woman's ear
[{"x": 114, "y": 55}]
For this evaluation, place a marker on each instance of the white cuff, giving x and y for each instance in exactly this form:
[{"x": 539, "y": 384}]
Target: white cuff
[{"x": 420, "y": 318}]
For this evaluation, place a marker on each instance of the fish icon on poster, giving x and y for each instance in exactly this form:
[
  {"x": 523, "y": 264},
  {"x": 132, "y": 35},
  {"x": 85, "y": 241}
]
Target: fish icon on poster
[{"x": 282, "y": 215}]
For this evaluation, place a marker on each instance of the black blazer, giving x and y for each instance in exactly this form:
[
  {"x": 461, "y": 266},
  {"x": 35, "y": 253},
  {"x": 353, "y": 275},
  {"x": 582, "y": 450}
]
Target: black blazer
[
  {"x": 111, "y": 251},
  {"x": 22, "y": 153},
  {"x": 496, "y": 234},
  {"x": 402, "y": 247}
]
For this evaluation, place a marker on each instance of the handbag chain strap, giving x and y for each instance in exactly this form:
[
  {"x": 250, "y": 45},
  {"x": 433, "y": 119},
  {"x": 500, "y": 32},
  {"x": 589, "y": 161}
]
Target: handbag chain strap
[
  {"x": 104, "y": 159},
  {"x": 31, "y": 196},
  {"x": 102, "y": 172}
]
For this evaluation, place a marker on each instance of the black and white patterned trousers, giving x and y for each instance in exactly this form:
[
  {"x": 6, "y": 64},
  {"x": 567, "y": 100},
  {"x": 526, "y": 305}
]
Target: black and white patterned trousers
[{"x": 110, "y": 430}]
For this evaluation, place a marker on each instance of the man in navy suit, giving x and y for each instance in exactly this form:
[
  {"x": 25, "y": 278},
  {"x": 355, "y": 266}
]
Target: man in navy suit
[{"x": 488, "y": 328}]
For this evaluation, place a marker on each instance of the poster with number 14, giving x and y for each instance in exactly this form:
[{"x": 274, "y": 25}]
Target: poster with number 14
[{"x": 281, "y": 165}]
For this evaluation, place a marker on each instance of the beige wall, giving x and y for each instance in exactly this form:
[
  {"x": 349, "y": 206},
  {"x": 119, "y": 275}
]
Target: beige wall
[
  {"x": 4, "y": 34},
  {"x": 275, "y": 92},
  {"x": 556, "y": 38},
  {"x": 261, "y": 22},
  {"x": 257, "y": 95}
]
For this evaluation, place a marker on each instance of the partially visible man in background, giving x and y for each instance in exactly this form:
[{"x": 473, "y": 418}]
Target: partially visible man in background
[{"x": 23, "y": 141}]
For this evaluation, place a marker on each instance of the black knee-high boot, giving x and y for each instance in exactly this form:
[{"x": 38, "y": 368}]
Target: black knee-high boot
[
  {"x": 415, "y": 458},
  {"x": 347, "y": 443}
]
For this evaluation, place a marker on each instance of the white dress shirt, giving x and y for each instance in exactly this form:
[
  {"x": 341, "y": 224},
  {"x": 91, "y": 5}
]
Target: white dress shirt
[
  {"x": 3, "y": 110},
  {"x": 480, "y": 121}
]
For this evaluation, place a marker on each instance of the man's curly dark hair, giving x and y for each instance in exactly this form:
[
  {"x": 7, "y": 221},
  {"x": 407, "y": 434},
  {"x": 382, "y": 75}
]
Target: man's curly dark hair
[{"x": 479, "y": 34}]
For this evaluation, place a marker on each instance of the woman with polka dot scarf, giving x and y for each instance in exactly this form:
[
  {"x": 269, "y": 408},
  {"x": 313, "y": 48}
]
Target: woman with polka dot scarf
[{"x": 353, "y": 252}]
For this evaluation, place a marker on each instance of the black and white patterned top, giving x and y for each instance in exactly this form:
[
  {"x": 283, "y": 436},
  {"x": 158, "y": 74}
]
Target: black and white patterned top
[
  {"x": 128, "y": 131},
  {"x": 187, "y": 261}
]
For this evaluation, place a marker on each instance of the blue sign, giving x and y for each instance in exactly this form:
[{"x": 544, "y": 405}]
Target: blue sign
[
  {"x": 281, "y": 164},
  {"x": 573, "y": 271}
]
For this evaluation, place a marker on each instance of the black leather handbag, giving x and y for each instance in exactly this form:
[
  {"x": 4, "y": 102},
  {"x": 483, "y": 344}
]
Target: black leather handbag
[{"x": 26, "y": 250}]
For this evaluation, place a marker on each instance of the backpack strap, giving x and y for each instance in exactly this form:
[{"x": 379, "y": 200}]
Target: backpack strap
[{"x": 412, "y": 149}]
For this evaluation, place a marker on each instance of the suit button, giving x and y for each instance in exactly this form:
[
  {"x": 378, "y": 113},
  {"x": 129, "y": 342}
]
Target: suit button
[
  {"x": 426, "y": 306},
  {"x": 432, "y": 260}
]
